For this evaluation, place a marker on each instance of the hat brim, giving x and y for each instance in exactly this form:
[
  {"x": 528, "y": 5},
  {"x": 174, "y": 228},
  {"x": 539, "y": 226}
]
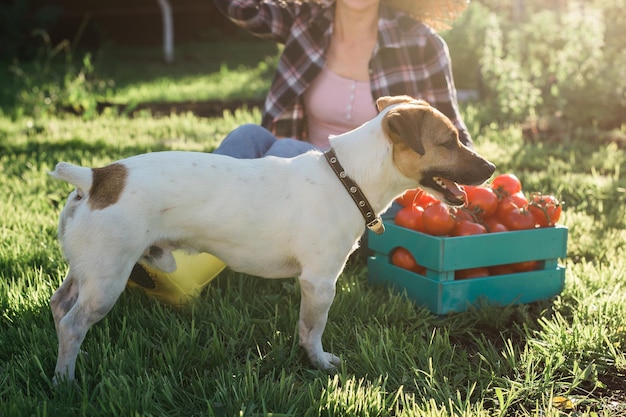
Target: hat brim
[{"x": 438, "y": 14}]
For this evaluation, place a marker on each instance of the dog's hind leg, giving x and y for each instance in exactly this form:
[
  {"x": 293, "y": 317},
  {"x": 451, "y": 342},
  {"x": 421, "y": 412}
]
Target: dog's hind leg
[
  {"x": 317, "y": 297},
  {"x": 63, "y": 299},
  {"x": 93, "y": 299}
]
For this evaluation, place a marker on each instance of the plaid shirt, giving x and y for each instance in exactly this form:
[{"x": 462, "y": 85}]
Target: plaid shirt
[{"x": 409, "y": 58}]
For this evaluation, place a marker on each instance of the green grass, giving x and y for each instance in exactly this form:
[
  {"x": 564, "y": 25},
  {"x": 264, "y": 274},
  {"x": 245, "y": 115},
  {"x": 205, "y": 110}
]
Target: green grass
[
  {"x": 200, "y": 72},
  {"x": 80, "y": 81},
  {"x": 235, "y": 351}
]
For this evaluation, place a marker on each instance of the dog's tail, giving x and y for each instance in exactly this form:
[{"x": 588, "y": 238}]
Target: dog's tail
[{"x": 78, "y": 176}]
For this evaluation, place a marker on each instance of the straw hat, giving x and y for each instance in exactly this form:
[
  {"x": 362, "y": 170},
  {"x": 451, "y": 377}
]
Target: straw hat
[{"x": 438, "y": 14}]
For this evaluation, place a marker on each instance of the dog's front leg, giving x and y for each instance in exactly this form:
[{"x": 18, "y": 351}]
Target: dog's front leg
[{"x": 317, "y": 296}]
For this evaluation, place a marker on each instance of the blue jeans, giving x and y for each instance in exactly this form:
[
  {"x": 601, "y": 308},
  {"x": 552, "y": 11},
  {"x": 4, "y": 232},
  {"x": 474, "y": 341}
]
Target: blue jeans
[{"x": 250, "y": 141}]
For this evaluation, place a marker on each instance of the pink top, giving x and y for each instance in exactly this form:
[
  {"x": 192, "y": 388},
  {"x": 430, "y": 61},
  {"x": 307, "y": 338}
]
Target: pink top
[{"x": 335, "y": 105}]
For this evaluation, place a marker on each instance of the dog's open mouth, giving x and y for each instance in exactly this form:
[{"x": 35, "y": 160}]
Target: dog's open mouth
[{"x": 447, "y": 190}]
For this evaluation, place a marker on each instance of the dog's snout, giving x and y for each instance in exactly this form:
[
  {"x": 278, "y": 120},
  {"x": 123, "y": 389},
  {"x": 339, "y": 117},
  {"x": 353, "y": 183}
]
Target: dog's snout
[
  {"x": 483, "y": 165},
  {"x": 486, "y": 170},
  {"x": 490, "y": 167},
  {"x": 482, "y": 170}
]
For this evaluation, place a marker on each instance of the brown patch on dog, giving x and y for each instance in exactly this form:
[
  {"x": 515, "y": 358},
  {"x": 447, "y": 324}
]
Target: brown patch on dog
[
  {"x": 107, "y": 186},
  {"x": 423, "y": 130},
  {"x": 415, "y": 127},
  {"x": 386, "y": 101},
  {"x": 405, "y": 124}
]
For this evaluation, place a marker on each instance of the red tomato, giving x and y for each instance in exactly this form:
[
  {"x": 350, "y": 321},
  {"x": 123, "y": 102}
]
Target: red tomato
[
  {"x": 467, "y": 228},
  {"x": 425, "y": 199},
  {"x": 437, "y": 219},
  {"x": 525, "y": 266},
  {"x": 471, "y": 273},
  {"x": 481, "y": 199},
  {"x": 501, "y": 269},
  {"x": 408, "y": 198},
  {"x": 402, "y": 258},
  {"x": 546, "y": 209},
  {"x": 494, "y": 225},
  {"x": 506, "y": 184},
  {"x": 519, "y": 198},
  {"x": 518, "y": 219},
  {"x": 505, "y": 206},
  {"x": 410, "y": 217}
]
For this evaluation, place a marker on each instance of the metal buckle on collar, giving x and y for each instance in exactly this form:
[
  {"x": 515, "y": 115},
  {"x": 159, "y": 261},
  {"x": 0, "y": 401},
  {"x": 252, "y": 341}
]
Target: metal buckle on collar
[{"x": 376, "y": 226}]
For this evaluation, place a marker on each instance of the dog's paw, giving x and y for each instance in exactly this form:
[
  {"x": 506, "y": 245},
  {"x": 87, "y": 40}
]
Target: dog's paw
[
  {"x": 60, "y": 379},
  {"x": 328, "y": 362}
]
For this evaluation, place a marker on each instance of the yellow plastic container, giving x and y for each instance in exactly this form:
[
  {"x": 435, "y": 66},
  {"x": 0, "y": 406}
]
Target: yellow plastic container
[{"x": 193, "y": 272}]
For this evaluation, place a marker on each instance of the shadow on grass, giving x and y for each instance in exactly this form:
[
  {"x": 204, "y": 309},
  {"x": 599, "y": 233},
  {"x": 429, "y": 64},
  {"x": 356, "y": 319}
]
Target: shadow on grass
[
  {"x": 69, "y": 150},
  {"x": 128, "y": 66},
  {"x": 209, "y": 108}
]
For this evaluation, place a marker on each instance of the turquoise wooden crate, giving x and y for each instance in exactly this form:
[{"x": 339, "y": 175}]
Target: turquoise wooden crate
[{"x": 442, "y": 256}]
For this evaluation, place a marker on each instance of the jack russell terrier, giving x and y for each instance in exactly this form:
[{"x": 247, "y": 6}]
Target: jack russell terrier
[{"x": 307, "y": 215}]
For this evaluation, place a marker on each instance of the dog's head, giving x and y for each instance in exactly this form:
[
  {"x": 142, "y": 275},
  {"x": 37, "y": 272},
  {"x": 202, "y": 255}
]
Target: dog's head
[{"x": 426, "y": 148}]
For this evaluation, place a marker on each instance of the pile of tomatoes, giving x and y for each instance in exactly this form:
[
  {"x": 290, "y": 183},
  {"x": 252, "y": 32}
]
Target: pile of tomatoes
[{"x": 497, "y": 207}]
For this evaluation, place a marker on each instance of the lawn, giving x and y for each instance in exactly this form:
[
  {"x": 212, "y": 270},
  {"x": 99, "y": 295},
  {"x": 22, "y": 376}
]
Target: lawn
[
  {"x": 235, "y": 350},
  {"x": 200, "y": 72}
]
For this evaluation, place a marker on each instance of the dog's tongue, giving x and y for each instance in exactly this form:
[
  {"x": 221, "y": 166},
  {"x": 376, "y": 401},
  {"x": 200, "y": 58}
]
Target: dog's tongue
[{"x": 454, "y": 188}]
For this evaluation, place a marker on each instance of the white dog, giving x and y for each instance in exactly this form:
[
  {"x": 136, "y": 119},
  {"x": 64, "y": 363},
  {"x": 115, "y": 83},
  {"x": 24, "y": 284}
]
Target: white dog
[{"x": 270, "y": 217}]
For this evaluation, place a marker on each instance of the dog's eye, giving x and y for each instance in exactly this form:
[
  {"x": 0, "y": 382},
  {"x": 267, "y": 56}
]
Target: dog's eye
[{"x": 451, "y": 144}]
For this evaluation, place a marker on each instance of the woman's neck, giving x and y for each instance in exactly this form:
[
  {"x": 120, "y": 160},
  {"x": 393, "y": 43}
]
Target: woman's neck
[
  {"x": 355, "y": 31},
  {"x": 355, "y": 24}
]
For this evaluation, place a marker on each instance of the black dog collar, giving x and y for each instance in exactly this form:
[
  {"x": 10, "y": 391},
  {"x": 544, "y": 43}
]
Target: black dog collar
[{"x": 372, "y": 221}]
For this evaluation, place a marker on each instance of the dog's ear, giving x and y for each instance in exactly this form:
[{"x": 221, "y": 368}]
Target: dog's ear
[
  {"x": 386, "y": 101},
  {"x": 403, "y": 124}
]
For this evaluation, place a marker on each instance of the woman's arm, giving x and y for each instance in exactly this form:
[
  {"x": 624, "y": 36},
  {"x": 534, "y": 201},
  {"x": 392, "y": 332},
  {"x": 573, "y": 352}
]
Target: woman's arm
[
  {"x": 414, "y": 60},
  {"x": 443, "y": 90},
  {"x": 267, "y": 19}
]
